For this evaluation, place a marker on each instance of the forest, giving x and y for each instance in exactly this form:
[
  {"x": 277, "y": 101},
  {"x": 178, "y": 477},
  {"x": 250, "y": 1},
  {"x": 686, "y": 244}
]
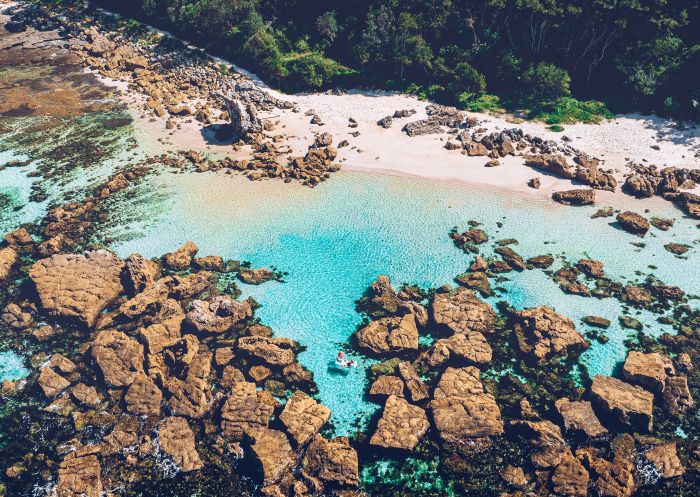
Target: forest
[{"x": 559, "y": 60}]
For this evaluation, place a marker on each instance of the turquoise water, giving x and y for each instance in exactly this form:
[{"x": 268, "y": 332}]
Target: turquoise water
[
  {"x": 12, "y": 366},
  {"x": 334, "y": 240}
]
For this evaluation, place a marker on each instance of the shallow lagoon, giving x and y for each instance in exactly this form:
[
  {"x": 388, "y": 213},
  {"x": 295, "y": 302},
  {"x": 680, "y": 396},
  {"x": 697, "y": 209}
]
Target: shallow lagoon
[{"x": 333, "y": 241}]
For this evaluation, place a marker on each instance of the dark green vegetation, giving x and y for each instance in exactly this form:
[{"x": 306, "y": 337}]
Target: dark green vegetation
[{"x": 554, "y": 59}]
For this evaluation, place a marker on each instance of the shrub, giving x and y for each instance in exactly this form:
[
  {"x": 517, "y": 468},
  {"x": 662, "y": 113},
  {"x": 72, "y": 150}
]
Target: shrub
[
  {"x": 479, "y": 103},
  {"x": 310, "y": 71},
  {"x": 568, "y": 110},
  {"x": 546, "y": 82}
]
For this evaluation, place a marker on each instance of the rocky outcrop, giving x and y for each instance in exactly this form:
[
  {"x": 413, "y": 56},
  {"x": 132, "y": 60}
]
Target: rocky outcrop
[
  {"x": 218, "y": 315},
  {"x": 333, "y": 462},
  {"x": 143, "y": 397},
  {"x": 416, "y": 390},
  {"x": 244, "y": 118},
  {"x": 649, "y": 371},
  {"x": 547, "y": 443},
  {"x": 401, "y": 426},
  {"x": 245, "y": 410},
  {"x": 303, "y": 417},
  {"x": 575, "y": 197},
  {"x": 272, "y": 453},
  {"x": 541, "y": 333},
  {"x": 460, "y": 311},
  {"x": 554, "y": 164},
  {"x": 79, "y": 477},
  {"x": 627, "y": 404},
  {"x": 276, "y": 352},
  {"x": 182, "y": 258},
  {"x": 77, "y": 287},
  {"x": 176, "y": 441},
  {"x": 422, "y": 127},
  {"x": 579, "y": 418},
  {"x": 119, "y": 358},
  {"x": 677, "y": 393},
  {"x": 470, "y": 348},
  {"x": 461, "y": 410},
  {"x": 8, "y": 259},
  {"x": 665, "y": 460},
  {"x": 389, "y": 335},
  {"x": 386, "y": 385},
  {"x": 633, "y": 222},
  {"x": 140, "y": 273},
  {"x": 51, "y": 383},
  {"x": 570, "y": 478}
]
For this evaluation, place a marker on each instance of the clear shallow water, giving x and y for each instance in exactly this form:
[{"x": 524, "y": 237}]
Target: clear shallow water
[
  {"x": 12, "y": 366},
  {"x": 336, "y": 239}
]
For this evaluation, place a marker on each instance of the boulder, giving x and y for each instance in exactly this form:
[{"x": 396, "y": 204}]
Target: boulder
[
  {"x": 471, "y": 348},
  {"x": 176, "y": 441},
  {"x": 255, "y": 276},
  {"x": 476, "y": 281},
  {"x": 665, "y": 460},
  {"x": 401, "y": 426},
  {"x": 139, "y": 273},
  {"x": 119, "y": 358},
  {"x": 677, "y": 394},
  {"x": 579, "y": 418},
  {"x": 575, "y": 197},
  {"x": 640, "y": 186},
  {"x": 459, "y": 382},
  {"x": 159, "y": 336},
  {"x": 181, "y": 259},
  {"x": 273, "y": 454},
  {"x": 211, "y": 263},
  {"x": 51, "y": 383},
  {"x": 541, "y": 333},
  {"x": 460, "y": 311},
  {"x": 649, "y": 371},
  {"x": 20, "y": 240},
  {"x": 244, "y": 411},
  {"x": 332, "y": 461},
  {"x": 627, "y": 404},
  {"x": 85, "y": 395},
  {"x": 514, "y": 476},
  {"x": 570, "y": 478},
  {"x": 218, "y": 315},
  {"x": 8, "y": 259},
  {"x": 271, "y": 351},
  {"x": 511, "y": 258},
  {"x": 77, "y": 287},
  {"x": 389, "y": 335},
  {"x": 541, "y": 261},
  {"x": 547, "y": 443},
  {"x": 459, "y": 418},
  {"x": 633, "y": 222},
  {"x": 79, "y": 477},
  {"x": 143, "y": 397},
  {"x": 386, "y": 385},
  {"x": 189, "y": 398},
  {"x": 636, "y": 295},
  {"x": 554, "y": 164},
  {"x": 591, "y": 267},
  {"x": 415, "y": 388},
  {"x": 303, "y": 417}
]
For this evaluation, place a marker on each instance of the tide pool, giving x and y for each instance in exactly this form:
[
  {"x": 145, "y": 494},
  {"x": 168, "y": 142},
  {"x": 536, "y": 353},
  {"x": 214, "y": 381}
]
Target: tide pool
[
  {"x": 334, "y": 240},
  {"x": 12, "y": 366}
]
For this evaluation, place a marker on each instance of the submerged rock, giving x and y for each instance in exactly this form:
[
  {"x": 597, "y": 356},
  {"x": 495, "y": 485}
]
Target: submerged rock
[{"x": 665, "y": 460}]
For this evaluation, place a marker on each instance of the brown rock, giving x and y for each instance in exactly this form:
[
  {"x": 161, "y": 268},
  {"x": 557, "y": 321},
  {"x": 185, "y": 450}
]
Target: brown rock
[
  {"x": 649, "y": 371},
  {"x": 20, "y": 240},
  {"x": 471, "y": 348},
  {"x": 159, "y": 336},
  {"x": 555, "y": 164},
  {"x": 51, "y": 383},
  {"x": 255, "y": 276},
  {"x": 77, "y": 287},
  {"x": 636, "y": 295},
  {"x": 541, "y": 332},
  {"x": 579, "y": 418},
  {"x": 211, "y": 263},
  {"x": 143, "y": 397},
  {"x": 596, "y": 321},
  {"x": 575, "y": 197},
  {"x": 85, "y": 395},
  {"x": 514, "y": 476},
  {"x": 541, "y": 261},
  {"x": 627, "y": 404},
  {"x": 333, "y": 461},
  {"x": 460, "y": 417},
  {"x": 79, "y": 477},
  {"x": 8, "y": 259},
  {"x": 271, "y": 351},
  {"x": 244, "y": 411},
  {"x": 416, "y": 389},
  {"x": 511, "y": 258},
  {"x": 140, "y": 273},
  {"x": 546, "y": 440},
  {"x": 460, "y": 311},
  {"x": 273, "y": 453},
  {"x": 476, "y": 281},
  {"x": 665, "y": 460},
  {"x": 570, "y": 478},
  {"x": 14, "y": 318},
  {"x": 591, "y": 267},
  {"x": 181, "y": 259},
  {"x": 62, "y": 364},
  {"x": 389, "y": 335},
  {"x": 119, "y": 358},
  {"x": 677, "y": 394},
  {"x": 218, "y": 315},
  {"x": 259, "y": 373},
  {"x": 401, "y": 426},
  {"x": 633, "y": 222},
  {"x": 303, "y": 417},
  {"x": 473, "y": 149},
  {"x": 230, "y": 376},
  {"x": 534, "y": 183},
  {"x": 176, "y": 440},
  {"x": 386, "y": 385}
]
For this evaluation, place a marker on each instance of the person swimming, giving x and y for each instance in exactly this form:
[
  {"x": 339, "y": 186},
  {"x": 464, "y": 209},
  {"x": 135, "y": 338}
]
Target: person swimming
[{"x": 342, "y": 362}]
